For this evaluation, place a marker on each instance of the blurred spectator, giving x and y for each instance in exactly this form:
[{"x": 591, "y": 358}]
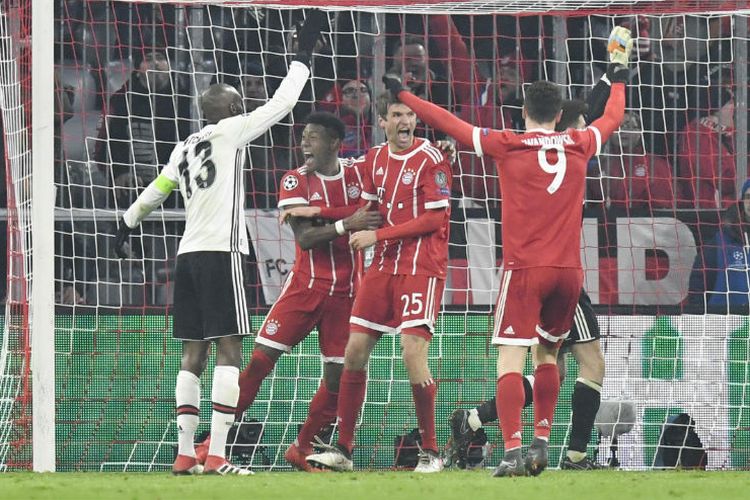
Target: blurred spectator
[
  {"x": 634, "y": 177},
  {"x": 705, "y": 154},
  {"x": 410, "y": 60},
  {"x": 143, "y": 122},
  {"x": 351, "y": 100},
  {"x": 484, "y": 101},
  {"x": 721, "y": 271}
]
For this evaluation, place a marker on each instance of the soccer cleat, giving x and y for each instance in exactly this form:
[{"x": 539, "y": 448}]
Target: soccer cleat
[
  {"x": 331, "y": 457},
  {"x": 429, "y": 462},
  {"x": 295, "y": 456},
  {"x": 585, "y": 464},
  {"x": 201, "y": 450},
  {"x": 461, "y": 436},
  {"x": 185, "y": 465},
  {"x": 511, "y": 465},
  {"x": 222, "y": 467},
  {"x": 537, "y": 456}
]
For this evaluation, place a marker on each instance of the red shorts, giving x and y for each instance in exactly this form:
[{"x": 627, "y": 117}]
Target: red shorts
[
  {"x": 400, "y": 303},
  {"x": 298, "y": 310},
  {"x": 536, "y": 304}
]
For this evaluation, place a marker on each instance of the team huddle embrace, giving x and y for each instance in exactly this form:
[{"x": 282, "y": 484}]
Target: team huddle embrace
[{"x": 395, "y": 200}]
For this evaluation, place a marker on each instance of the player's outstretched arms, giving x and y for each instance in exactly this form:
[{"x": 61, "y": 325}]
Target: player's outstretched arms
[
  {"x": 151, "y": 197},
  {"x": 434, "y": 116}
]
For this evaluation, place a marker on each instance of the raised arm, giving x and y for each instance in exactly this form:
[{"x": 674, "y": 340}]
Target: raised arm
[{"x": 247, "y": 127}]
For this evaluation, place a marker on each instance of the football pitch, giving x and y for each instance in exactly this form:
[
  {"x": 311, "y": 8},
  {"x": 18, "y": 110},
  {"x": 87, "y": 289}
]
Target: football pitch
[{"x": 464, "y": 485}]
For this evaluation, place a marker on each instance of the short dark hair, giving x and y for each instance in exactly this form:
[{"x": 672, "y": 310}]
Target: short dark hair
[
  {"x": 571, "y": 110},
  {"x": 410, "y": 40},
  {"x": 330, "y": 122},
  {"x": 543, "y": 101},
  {"x": 385, "y": 101}
]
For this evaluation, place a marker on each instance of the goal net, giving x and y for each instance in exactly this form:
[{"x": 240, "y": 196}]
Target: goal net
[{"x": 664, "y": 243}]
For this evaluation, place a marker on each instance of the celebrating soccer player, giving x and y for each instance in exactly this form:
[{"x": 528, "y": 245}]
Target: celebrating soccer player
[
  {"x": 320, "y": 288},
  {"x": 583, "y": 341},
  {"x": 410, "y": 180},
  {"x": 209, "y": 297},
  {"x": 542, "y": 177}
]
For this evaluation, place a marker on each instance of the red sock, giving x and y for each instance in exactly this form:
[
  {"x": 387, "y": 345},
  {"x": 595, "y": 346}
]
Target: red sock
[
  {"x": 509, "y": 401},
  {"x": 546, "y": 390},
  {"x": 322, "y": 412},
  {"x": 250, "y": 379},
  {"x": 424, "y": 402},
  {"x": 351, "y": 397}
]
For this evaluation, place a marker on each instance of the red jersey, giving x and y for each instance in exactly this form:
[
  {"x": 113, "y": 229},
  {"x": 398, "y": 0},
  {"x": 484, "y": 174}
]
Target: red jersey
[
  {"x": 406, "y": 185},
  {"x": 640, "y": 181},
  {"x": 542, "y": 178},
  {"x": 706, "y": 164},
  {"x": 332, "y": 268}
]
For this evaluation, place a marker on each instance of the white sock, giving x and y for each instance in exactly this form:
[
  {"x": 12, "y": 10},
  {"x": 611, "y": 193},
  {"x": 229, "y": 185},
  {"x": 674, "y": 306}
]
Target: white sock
[
  {"x": 225, "y": 392},
  {"x": 187, "y": 395},
  {"x": 474, "y": 422}
]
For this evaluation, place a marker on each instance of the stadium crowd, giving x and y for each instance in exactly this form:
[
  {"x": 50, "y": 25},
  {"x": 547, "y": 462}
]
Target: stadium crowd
[{"x": 128, "y": 76}]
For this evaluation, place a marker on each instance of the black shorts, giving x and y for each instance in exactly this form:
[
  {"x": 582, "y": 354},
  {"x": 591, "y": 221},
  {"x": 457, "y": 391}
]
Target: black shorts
[
  {"x": 209, "y": 296},
  {"x": 585, "y": 325}
]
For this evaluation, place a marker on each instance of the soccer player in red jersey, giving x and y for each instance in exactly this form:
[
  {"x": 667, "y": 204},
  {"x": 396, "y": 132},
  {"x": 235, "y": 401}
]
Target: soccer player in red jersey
[
  {"x": 320, "y": 288},
  {"x": 410, "y": 180},
  {"x": 542, "y": 178}
]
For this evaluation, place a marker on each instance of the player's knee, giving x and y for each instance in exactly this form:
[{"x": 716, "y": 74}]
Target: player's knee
[
  {"x": 355, "y": 356},
  {"x": 332, "y": 376},
  {"x": 414, "y": 351},
  {"x": 229, "y": 351},
  {"x": 591, "y": 362},
  {"x": 195, "y": 356}
]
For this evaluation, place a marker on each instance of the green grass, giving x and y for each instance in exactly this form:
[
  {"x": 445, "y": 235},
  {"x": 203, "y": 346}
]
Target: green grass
[{"x": 463, "y": 485}]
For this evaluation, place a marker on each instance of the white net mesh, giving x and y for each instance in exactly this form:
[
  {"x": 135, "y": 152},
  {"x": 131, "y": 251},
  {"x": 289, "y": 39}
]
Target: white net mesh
[{"x": 130, "y": 73}]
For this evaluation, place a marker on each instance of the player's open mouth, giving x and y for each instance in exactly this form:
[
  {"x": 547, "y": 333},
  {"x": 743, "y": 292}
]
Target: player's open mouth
[{"x": 404, "y": 134}]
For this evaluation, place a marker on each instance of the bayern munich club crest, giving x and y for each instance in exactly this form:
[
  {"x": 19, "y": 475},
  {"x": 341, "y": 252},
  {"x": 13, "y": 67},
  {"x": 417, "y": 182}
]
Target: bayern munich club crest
[
  {"x": 408, "y": 177},
  {"x": 290, "y": 182},
  {"x": 272, "y": 326},
  {"x": 353, "y": 191}
]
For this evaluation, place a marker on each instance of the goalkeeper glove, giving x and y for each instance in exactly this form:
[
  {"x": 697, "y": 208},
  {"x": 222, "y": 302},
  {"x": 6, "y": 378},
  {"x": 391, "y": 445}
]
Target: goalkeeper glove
[
  {"x": 308, "y": 35},
  {"x": 619, "y": 46},
  {"x": 618, "y": 73},
  {"x": 393, "y": 83},
  {"x": 121, "y": 239}
]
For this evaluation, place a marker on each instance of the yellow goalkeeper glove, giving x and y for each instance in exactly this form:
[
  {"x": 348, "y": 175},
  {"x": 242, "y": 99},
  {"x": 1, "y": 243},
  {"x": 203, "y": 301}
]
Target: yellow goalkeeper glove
[{"x": 620, "y": 45}]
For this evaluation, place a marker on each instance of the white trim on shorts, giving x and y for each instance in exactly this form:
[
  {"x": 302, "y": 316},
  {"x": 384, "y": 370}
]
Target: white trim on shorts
[
  {"x": 238, "y": 289},
  {"x": 507, "y": 341},
  {"x": 549, "y": 337},
  {"x": 275, "y": 345},
  {"x": 428, "y": 322},
  {"x": 372, "y": 326},
  {"x": 333, "y": 359}
]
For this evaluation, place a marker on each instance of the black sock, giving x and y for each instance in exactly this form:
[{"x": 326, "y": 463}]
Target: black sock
[
  {"x": 585, "y": 404},
  {"x": 488, "y": 410},
  {"x": 528, "y": 391}
]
